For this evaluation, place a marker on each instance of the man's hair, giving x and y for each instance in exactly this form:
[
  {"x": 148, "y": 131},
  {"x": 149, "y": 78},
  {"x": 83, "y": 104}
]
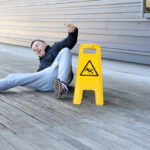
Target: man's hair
[{"x": 35, "y": 41}]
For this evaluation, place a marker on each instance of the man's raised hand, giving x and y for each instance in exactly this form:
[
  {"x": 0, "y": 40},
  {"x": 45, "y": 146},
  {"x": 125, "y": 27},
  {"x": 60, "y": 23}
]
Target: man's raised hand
[{"x": 69, "y": 27}]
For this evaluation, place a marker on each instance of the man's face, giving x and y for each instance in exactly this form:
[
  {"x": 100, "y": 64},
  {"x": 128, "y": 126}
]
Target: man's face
[{"x": 39, "y": 48}]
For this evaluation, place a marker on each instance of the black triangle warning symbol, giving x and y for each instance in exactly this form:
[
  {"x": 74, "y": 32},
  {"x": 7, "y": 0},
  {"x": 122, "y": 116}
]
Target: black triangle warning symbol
[{"x": 89, "y": 70}]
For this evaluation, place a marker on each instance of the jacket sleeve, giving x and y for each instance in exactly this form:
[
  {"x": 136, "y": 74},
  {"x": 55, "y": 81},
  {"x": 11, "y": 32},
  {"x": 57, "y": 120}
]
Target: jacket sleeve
[{"x": 69, "y": 42}]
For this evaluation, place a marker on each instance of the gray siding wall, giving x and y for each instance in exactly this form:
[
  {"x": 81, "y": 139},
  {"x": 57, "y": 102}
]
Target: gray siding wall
[{"x": 117, "y": 25}]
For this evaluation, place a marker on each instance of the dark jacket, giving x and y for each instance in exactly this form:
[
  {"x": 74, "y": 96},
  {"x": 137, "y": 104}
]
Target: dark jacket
[{"x": 52, "y": 52}]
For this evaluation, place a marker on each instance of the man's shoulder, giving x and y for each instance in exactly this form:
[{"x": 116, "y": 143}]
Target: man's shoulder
[{"x": 54, "y": 47}]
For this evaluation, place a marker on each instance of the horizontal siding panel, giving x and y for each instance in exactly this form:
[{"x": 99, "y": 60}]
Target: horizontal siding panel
[
  {"x": 29, "y": 38},
  {"x": 121, "y": 46},
  {"x": 89, "y": 31},
  {"x": 114, "y": 44},
  {"x": 77, "y": 10},
  {"x": 116, "y": 25},
  {"x": 14, "y": 41},
  {"x": 95, "y": 38},
  {"x": 127, "y": 57},
  {"x": 71, "y": 16},
  {"x": 16, "y": 3},
  {"x": 105, "y": 54},
  {"x": 91, "y": 37},
  {"x": 126, "y": 52},
  {"x": 76, "y": 20},
  {"x": 113, "y": 25},
  {"x": 118, "y": 39},
  {"x": 65, "y": 3}
]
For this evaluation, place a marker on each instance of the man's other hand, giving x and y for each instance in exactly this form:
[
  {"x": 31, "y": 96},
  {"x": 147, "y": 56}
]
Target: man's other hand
[{"x": 70, "y": 28}]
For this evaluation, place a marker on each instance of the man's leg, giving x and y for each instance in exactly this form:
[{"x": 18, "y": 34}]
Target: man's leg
[
  {"x": 38, "y": 81},
  {"x": 65, "y": 65},
  {"x": 13, "y": 80},
  {"x": 65, "y": 75},
  {"x": 61, "y": 69}
]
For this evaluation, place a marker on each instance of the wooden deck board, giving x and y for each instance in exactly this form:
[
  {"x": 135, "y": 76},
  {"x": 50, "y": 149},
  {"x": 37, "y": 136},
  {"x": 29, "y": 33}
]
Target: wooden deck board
[
  {"x": 32, "y": 120},
  {"x": 6, "y": 144}
]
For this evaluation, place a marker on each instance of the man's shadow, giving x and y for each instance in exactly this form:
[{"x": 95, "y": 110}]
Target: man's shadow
[
  {"x": 26, "y": 93},
  {"x": 23, "y": 92}
]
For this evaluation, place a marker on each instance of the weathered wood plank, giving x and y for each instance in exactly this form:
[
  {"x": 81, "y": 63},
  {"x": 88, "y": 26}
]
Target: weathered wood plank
[
  {"x": 77, "y": 141},
  {"x": 4, "y": 144},
  {"x": 87, "y": 133},
  {"x": 36, "y": 137},
  {"x": 16, "y": 141},
  {"x": 122, "y": 123},
  {"x": 18, "y": 118}
]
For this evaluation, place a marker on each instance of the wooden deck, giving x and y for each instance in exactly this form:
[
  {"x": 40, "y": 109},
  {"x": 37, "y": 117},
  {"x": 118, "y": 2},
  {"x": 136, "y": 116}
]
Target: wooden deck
[{"x": 32, "y": 120}]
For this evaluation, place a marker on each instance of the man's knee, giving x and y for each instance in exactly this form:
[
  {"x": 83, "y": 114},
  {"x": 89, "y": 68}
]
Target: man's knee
[{"x": 66, "y": 50}]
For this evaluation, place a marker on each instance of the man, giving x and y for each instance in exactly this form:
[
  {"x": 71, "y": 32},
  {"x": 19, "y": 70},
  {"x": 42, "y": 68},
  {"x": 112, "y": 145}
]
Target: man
[{"x": 55, "y": 70}]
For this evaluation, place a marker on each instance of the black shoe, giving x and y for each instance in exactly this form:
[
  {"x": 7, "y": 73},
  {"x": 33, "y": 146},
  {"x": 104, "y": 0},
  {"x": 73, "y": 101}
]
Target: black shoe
[{"x": 59, "y": 88}]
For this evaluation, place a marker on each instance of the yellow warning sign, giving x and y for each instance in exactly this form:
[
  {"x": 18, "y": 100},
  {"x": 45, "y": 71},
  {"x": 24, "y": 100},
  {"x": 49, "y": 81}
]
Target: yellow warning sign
[
  {"x": 89, "y": 74},
  {"x": 89, "y": 70}
]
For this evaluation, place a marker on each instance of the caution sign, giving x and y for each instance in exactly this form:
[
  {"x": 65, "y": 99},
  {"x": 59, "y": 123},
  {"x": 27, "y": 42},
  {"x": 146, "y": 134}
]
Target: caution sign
[
  {"x": 89, "y": 70},
  {"x": 89, "y": 74}
]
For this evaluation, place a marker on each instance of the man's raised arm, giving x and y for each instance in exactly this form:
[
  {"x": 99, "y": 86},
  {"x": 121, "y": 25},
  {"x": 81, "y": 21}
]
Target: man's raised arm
[{"x": 71, "y": 39}]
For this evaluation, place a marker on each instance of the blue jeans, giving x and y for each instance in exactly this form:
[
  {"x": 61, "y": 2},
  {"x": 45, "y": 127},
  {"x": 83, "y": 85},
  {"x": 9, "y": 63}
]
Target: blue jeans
[{"x": 61, "y": 68}]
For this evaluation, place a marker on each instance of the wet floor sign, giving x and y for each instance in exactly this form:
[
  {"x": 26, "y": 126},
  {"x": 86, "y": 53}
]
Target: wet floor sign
[{"x": 89, "y": 74}]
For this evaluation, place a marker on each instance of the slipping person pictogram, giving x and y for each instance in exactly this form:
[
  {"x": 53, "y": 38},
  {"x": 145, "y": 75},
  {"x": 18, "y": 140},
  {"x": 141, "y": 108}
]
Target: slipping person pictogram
[{"x": 89, "y": 70}]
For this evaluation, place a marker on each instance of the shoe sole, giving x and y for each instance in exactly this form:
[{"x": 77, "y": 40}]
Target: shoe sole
[{"x": 57, "y": 88}]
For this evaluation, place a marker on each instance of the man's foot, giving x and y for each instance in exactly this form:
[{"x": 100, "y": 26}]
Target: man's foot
[{"x": 59, "y": 88}]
